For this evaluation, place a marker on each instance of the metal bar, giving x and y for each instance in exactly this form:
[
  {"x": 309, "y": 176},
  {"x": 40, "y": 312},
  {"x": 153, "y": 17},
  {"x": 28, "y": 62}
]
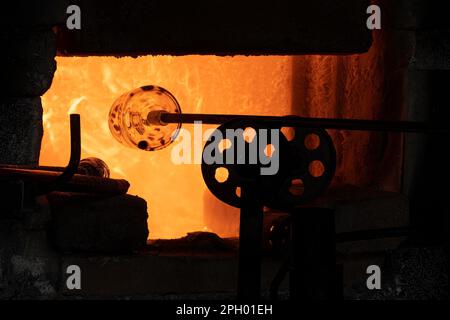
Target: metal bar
[
  {"x": 75, "y": 150},
  {"x": 296, "y": 121},
  {"x": 33, "y": 167},
  {"x": 75, "y": 155},
  {"x": 77, "y": 183},
  {"x": 250, "y": 245}
]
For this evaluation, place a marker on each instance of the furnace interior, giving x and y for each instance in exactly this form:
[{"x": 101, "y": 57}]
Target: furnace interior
[{"x": 178, "y": 200}]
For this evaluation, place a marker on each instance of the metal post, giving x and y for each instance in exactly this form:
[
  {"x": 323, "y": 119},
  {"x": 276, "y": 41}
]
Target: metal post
[
  {"x": 313, "y": 275},
  {"x": 250, "y": 244}
]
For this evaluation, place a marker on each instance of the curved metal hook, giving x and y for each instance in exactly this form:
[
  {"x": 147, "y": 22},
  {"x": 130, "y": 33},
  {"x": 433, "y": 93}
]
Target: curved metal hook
[{"x": 75, "y": 154}]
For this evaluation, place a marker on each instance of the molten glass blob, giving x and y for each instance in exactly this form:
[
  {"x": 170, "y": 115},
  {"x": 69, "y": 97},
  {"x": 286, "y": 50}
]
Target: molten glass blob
[{"x": 130, "y": 118}]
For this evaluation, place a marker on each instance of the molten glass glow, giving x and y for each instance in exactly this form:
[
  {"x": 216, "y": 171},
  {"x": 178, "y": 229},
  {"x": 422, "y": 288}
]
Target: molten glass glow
[{"x": 175, "y": 194}]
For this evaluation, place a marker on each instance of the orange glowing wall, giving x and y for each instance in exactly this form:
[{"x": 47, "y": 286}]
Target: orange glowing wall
[{"x": 360, "y": 86}]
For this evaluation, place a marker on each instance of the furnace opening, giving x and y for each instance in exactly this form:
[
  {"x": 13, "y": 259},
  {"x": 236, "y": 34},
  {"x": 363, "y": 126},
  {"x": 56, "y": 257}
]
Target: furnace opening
[{"x": 177, "y": 198}]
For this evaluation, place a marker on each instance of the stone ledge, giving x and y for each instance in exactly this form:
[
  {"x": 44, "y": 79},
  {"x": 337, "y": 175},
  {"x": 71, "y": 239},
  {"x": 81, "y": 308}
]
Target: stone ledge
[{"x": 86, "y": 223}]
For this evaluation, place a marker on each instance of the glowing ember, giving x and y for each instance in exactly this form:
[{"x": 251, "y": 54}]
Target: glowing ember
[{"x": 208, "y": 84}]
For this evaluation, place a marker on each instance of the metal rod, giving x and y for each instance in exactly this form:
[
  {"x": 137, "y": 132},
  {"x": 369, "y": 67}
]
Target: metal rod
[
  {"x": 296, "y": 121},
  {"x": 33, "y": 167},
  {"x": 75, "y": 155},
  {"x": 75, "y": 150}
]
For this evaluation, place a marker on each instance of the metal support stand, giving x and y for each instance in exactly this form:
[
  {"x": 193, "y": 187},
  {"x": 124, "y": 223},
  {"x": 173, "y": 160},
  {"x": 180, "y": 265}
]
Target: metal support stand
[
  {"x": 250, "y": 245},
  {"x": 314, "y": 274}
]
